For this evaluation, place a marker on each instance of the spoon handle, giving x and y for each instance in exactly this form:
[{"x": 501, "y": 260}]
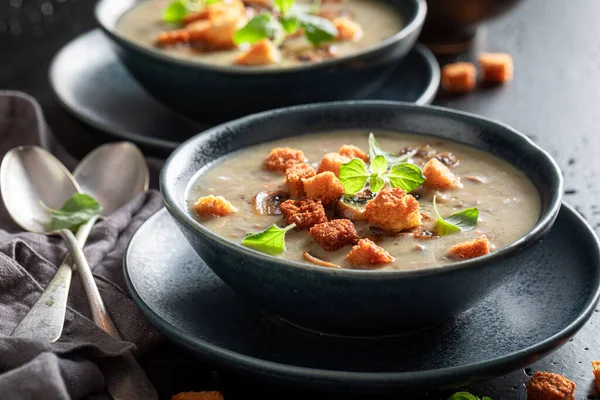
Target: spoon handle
[
  {"x": 45, "y": 319},
  {"x": 99, "y": 313}
]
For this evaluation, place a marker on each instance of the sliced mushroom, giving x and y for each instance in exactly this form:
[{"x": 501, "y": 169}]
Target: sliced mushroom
[
  {"x": 353, "y": 207},
  {"x": 312, "y": 259},
  {"x": 268, "y": 202}
]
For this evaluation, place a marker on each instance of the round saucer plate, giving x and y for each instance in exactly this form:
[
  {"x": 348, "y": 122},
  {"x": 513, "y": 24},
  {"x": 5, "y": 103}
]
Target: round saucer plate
[
  {"x": 91, "y": 83},
  {"x": 535, "y": 312}
]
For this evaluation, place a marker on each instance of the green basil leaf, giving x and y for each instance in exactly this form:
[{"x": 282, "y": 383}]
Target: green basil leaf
[
  {"x": 463, "y": 396},
  {"x": 284, "y": 6},
  {"x": 74, "y": 212},
  {"x": 176, "y": 11},
  {"x": 486, "y": 398},
  {"x": 354, "y": 175},
  {"x": 270, "y": 241},
  {"x": 406, "y": 176},
  {"x": 290, "y": 24},
  {"x": 317, "y": 29},
  {"x": 375, "y": 150},
  {"x": 378, "y": 165},
  {"x": 262, "y": 26},
  {"x": 376, "y": 182},
  {"x": 464, "y": 220},
  {"x": 209, "y": 2}
]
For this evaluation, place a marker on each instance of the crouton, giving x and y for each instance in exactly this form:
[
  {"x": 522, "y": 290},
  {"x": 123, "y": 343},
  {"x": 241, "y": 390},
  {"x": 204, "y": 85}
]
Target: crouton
[
  {"x": 304, "y": 213},
  {"x": 496, "y": 68},
  {"x": 334, "y": 235},
  {"x": 393, "y": 210},
  {"x": 549, "y": 386},
  {"x": 471, "y": 248},
  {"x": 214, "y": 206},
  {"x": 332, "y": 162},
  {"x": 459, "y": 77},
  {"x": 596, "y": 367},
  {"x": 351, "y": 152},
  {"x": 261, "y": 53},
  {"x": 348, "y": 30},
  {"x": 325, "y": 187},
  {"x": 215, "y": 11},
  {"x": 279, "y": 156},
  {"x": 220, "y": 31},
  {"x": 294, "y": 176},
  {"x": 440, "y": 176},
  {"x": 366, "y": 252},
  {"x": 198, "y": 396}
]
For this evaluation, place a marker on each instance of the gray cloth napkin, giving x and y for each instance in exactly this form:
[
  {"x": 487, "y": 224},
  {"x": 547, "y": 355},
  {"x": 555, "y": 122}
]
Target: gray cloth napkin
[{"x": 79, "y": 364}]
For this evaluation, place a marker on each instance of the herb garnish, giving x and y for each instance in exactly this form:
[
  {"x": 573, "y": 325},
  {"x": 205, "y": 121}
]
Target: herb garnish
[
  {"x": 177, "y": 10},
  {"x": 74, "y": 212},
  {"x": 466, "y": 396},
  {"x": 354, "y": 174},
  {"x": 464, "y": 220},
  {"x": 316, "y": 29},
  {"x": 270, "y": 241}
]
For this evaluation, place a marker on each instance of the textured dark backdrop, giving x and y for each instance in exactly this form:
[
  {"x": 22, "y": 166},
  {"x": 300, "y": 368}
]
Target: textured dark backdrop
[{"x": 554, "y": 98}]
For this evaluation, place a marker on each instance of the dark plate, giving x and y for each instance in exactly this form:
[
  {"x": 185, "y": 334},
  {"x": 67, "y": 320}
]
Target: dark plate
[
  {"x": 538, "y": 310},
  {"x": 92, "y": 84}
]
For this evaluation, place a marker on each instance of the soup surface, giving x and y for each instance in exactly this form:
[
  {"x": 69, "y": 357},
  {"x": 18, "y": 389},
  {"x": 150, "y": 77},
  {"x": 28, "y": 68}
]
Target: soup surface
[
  {"x": 507, "y": 202},
  {"x": 378, "y": 21}
]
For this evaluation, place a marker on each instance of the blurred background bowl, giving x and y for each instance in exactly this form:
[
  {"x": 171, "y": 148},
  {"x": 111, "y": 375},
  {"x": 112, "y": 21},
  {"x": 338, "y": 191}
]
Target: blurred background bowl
[{"x": 451, "y": 25}]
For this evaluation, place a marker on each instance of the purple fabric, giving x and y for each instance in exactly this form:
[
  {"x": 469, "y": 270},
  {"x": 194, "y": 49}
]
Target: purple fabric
[{"x": 80, "y": 363}]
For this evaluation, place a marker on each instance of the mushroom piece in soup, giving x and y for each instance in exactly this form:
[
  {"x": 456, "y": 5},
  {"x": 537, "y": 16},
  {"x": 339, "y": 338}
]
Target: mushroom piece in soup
[
  {"x": 353, "y": 200},
  {"x": 266, "y": 33}
]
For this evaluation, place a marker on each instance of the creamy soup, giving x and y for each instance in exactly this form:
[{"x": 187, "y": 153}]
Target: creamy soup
[
  {"x": 507, "y": 202},
  {"x": 377, "y": 20}
]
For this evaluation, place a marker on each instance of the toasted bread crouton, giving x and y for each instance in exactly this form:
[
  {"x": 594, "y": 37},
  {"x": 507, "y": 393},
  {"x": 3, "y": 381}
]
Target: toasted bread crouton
[
  {"x": 214, "y": 206},
  {"x": 459, "y": 77},
  {"x": 471, "y": 248},
  {"x": 282, "y": 158},
  {"x": 332, "y": 162},
  {"x": 348, "y": 30},
  {"x": 304, "y": 213},
  {"x": 366, "y": 252},
  {"x": 596, "y": 367},
  {"x": 351, "y": 152},
  {"x": 217, "y": 33},
  {"x": 440, "y": 176},
  {"x": 198, "y": 396},
  {"x": 335, "y": 234},
  {"x": 325, "y": 187},
  {"x": 393, "y": 210},
  {"x": 549, "y": 386},
  {"x": 261, "y": 53},
  {"x": 496, "y": 68},
  {"x": 294, "y": 176},
  {"x": 215, "y": 11}
]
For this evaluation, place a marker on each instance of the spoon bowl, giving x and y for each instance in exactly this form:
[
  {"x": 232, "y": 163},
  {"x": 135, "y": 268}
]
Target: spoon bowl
[
  {"x": 113, "y": 174},
  {"x": 30, "y": 175}
]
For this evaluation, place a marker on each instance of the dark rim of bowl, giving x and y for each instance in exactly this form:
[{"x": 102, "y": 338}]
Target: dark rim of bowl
[
  {"x": 546, "y": 218},
  {"x": 239, "y": 361},
  {"x": 415, "y": 25}
]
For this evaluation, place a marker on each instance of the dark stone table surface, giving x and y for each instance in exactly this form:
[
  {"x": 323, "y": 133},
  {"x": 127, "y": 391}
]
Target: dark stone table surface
[{"x": 554, "y": 98}]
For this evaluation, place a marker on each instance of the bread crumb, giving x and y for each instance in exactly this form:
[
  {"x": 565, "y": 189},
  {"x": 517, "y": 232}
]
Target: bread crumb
[
  {"x": 351, "y": 152},
  {"x": 496, "y": 68},
  {"x": 459, "y": 77},
  {"x": 304, "y": 213},
  {"x": 366, "y": 252},
  {"x": 549, "y": 386},
  {"x": 260, "y": 53},
  {"x": 471, "y": 248},
  {"x": 440, "y": 176},
  {"x": 332, "y": 162},
  {"x": 325, "y": 187},
  {"x": 214, "y": 206},
  {"x": 294, "y": 176},
  {"x": 278, "y": 158},
  {"x": 334, "y": 235},
  {"x": 394, "y": 210}
]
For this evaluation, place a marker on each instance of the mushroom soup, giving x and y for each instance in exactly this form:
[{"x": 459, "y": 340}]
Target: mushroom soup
[
  {"x": 257, "y": 32},
  {"x": 357, "y": 200}
]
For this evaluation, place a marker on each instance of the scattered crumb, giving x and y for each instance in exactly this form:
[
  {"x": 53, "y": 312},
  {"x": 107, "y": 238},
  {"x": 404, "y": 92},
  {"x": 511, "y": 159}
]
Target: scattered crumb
[
  {"x": 497, "y": 68},
  {"x": 549, "y": 386},
  {"x": 459, "y": 77}
]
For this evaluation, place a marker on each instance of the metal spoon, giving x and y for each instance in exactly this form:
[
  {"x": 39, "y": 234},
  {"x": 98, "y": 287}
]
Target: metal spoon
[{"x": 114, "y": 174}]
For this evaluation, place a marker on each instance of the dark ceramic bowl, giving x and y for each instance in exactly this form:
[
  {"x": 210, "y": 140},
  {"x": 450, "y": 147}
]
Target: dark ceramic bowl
[
  {"x": 450, "y": 26},
  {"x": 220, "y": 93},
  {"x": 359, "y": 302}
]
